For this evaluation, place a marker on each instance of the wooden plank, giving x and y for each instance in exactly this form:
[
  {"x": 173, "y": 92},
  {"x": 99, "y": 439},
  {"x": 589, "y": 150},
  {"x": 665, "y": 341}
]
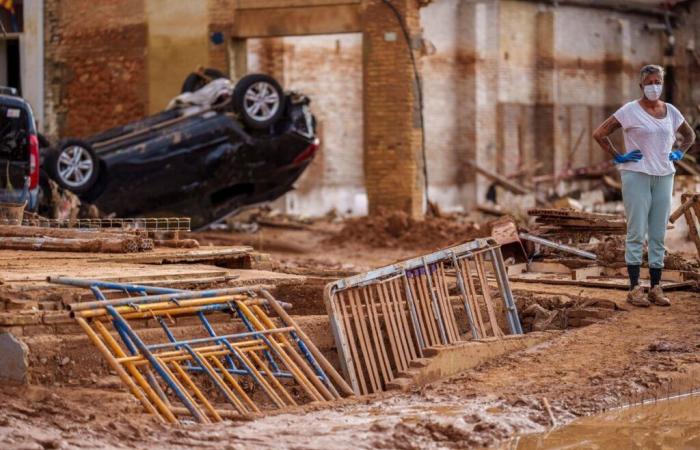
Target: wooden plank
[
  {"x": 547, "y": 267},
  {"x": 675, "y": 276},
  {"x": 688, "y": 201},
  {"x": 609, "y": 283},
  {"x": 691, "y": 220},
  {"x": 515, "y": 269},
  {"x": 587, "y": 272}
]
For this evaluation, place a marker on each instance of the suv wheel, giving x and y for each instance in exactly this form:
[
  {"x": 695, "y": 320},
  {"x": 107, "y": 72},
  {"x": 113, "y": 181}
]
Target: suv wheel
[
  {"x": 74, "y": 166},
  {"x": 259, "y": 100}
]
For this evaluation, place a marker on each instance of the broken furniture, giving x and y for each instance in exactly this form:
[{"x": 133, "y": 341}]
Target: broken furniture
[
  {"x": 567, "y": 222},
  {"x": 690, "y": 209},
  {"x": 385, "y": 319},
  {"x": 274, "y": 355}
]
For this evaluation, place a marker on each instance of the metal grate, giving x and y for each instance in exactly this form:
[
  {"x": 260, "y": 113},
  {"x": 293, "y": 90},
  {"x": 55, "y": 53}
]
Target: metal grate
[
  {"x": 384, "y": 319},
  {"x": 211, "y": 376},
  {"x": 139, "y": 223}
]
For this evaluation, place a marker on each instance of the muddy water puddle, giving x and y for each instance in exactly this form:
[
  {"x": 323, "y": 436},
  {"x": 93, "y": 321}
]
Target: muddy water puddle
[
  {"x": 408, "y": 421},
  {"x": 667, "y": 424}
]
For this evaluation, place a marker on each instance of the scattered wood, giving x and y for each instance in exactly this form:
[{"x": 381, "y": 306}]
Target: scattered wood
[
  {"x": 500, "y": 179},
  {"x": 114, "y": 245},
  {"x": 690, "y": 199},
  {"x": 176, "y": 243},
  {"x": 568, "y": 221},
  {"x": 62, "y": 233}
]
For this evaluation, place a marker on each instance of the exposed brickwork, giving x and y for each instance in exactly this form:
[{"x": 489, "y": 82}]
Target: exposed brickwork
[
  {"x": 392, "y": 137},
  {"x": 95, "y": 64},
  {"x": 221, "y": 17}
]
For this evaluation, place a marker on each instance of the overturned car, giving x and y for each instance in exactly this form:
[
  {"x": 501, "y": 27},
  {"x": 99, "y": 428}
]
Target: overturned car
[{"x": 216, "y": 148}]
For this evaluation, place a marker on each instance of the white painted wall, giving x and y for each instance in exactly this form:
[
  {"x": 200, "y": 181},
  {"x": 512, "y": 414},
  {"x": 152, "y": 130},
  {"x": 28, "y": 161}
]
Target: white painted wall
[{"x": 31, "y": 43}]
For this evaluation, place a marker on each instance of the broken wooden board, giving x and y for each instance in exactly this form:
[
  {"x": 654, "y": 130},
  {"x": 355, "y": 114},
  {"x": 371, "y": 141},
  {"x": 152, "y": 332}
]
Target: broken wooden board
[
  {"x": 212, "y": 255},
  {"x": 595, "y": 282}
]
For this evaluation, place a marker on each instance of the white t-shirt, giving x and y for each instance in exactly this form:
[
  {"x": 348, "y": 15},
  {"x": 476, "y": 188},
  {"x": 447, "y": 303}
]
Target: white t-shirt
[{"x": 653, "y": 137}]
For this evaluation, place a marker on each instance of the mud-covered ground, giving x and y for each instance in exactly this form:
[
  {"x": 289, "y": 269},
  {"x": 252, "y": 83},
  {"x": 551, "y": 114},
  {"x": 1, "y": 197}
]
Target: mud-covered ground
[{"x": 633, "y": 354}]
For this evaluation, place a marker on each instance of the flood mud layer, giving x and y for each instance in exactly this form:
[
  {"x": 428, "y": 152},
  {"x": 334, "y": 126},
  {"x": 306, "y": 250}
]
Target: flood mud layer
[{"x": 621, "y": 356}]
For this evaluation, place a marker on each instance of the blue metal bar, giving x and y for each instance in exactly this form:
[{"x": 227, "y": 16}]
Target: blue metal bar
[
  {"x": 250, "y": 327},
  {"x": 122, "y": 334},
  {"x": 126, "y": 287},
  {"x": 144, "y": 350},
  {"x": 244, "y": 372},
  {"x": 171, "y": 337},
  {"x": 216, "y": 338},
  {"x": 212, "y": 333},
  {"x": 218, "y": 382}
]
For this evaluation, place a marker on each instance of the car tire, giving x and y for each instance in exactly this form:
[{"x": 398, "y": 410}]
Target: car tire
[
  {"x": 259, "y": 100},
  {"x": 74, "y": 166},
  {"x": 195, "y": 81}
]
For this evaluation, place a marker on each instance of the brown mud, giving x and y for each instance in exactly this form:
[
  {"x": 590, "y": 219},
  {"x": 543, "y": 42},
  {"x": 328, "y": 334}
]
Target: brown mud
[{"x": 633, "y": 353}]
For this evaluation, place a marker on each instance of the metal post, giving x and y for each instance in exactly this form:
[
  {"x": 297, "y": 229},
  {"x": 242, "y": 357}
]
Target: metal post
[
  {"x": 414, "y": 315},
  {"x": 506, "y": 293},
  {"x": 465, "y": 298},
  {"x": 436, "y": 307}
]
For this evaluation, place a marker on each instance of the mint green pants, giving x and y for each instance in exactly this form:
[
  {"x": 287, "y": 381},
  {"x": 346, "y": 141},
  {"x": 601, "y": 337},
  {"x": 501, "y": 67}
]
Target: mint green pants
[{"x": 647, "y": 200}]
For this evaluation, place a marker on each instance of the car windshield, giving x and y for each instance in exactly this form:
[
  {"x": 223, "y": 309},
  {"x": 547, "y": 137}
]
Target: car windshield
[{"x": 14, "y": 157}]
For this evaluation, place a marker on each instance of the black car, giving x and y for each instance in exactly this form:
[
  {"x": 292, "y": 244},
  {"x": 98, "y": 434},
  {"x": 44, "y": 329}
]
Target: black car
[
  {"x": 19, "y": 150},
  {"x": 215, "y": 149}
]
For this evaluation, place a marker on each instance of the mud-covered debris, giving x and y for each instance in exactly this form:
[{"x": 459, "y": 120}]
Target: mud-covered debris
[{"x": 389, "y": 228}]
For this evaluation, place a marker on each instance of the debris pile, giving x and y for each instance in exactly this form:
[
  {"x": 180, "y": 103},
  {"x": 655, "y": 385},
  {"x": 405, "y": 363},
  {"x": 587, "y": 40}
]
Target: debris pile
[
  {"x": 569, "y": 221},
  {"x": 93, "y": 235},
  {"x": 389, "y": 228}
]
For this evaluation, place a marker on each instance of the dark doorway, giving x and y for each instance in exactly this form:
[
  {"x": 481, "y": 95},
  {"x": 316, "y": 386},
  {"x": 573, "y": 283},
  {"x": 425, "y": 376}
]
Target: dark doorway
[{"x": 12, "y": 59}]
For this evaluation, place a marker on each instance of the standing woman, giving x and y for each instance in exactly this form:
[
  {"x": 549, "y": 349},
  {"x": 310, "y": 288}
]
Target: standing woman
[{"x": 649, "y": 126}]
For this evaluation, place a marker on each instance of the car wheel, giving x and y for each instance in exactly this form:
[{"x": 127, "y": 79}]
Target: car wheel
[
  {"x": 196, "y": 81},
  {"x": 259, "y": 100},
  {"x": 74, "y": 166}
]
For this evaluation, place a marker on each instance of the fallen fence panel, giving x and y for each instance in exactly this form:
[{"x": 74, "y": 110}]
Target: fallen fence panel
[
  {"x": 211, "y": 376},
  {"x": 384, "y": 319}
]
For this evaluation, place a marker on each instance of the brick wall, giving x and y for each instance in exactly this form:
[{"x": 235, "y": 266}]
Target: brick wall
[
  {"x": 95, "y": 65},
  {"x": 392, "y": 135}
]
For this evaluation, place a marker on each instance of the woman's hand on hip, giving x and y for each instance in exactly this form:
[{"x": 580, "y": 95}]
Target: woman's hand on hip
[
  {"x": 633, "y": 156},
  {"x": 675, "y": 155}
]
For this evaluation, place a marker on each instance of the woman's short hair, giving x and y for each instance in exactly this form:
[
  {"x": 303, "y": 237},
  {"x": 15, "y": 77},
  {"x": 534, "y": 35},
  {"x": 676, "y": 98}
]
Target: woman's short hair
[{"x": 650, "y": 69}]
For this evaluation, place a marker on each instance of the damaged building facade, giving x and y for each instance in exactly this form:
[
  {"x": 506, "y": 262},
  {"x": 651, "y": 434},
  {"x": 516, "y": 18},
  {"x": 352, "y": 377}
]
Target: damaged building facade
[{"x": 512, "y": 86}]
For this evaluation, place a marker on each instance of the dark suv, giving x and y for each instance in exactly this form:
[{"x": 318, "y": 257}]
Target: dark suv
[{"x": 19, "y": 150}]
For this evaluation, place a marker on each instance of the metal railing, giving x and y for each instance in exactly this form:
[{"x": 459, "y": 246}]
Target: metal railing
[
  {"x": 278, "y": 359},
  {"x": 384, "y": 319}
]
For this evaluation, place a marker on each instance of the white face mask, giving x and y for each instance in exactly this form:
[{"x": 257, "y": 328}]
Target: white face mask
[{"x": 653, "y": 91}]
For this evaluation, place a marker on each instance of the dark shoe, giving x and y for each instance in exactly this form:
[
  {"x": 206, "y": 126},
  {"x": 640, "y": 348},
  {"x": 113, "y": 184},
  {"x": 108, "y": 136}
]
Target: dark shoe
[
  {"x": 637, "y": 298},
  {"x": 657, "y": 297}
]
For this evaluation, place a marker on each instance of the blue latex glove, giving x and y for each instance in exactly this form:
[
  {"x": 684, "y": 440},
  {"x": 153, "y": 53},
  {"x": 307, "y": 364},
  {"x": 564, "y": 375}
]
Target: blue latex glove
[
  {"x": 633, "y": 156},
  {"x": 675, "y": 155}
]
